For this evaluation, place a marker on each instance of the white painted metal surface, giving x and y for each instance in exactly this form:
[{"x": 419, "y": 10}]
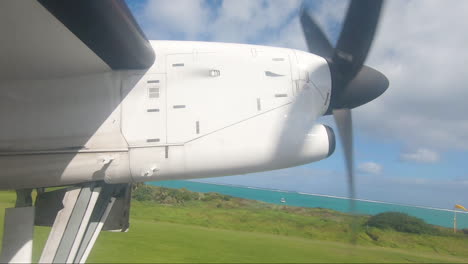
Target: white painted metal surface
[
  {"x": 176, "y": 120},
  {"x": 144, "y": 110},
  {"x": 194, "y": 95},
  {"x": 18, "y": 234},
  {"x": 84, "y": 224}
]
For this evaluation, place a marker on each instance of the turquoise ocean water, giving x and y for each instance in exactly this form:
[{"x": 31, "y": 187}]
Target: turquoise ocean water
[{"x": 435, "y": 216}]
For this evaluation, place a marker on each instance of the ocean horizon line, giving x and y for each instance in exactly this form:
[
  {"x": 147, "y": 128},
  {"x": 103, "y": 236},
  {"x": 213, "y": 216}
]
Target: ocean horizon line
[{"x": 328, "y": 196}]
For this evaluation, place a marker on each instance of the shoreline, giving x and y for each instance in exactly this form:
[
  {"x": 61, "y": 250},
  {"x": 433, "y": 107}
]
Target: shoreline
[{"x": 330, "y": 196}]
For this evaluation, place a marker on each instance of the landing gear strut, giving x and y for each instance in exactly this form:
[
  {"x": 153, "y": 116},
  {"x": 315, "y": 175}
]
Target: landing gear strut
[{"x": 77, "y": 215}]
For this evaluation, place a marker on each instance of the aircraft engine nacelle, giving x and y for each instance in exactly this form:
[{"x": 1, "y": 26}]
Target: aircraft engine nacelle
[
  {"x": 203, "y": 110},
  {"x": 257, "y": 144},
  {"x": 229, "y": 111}
]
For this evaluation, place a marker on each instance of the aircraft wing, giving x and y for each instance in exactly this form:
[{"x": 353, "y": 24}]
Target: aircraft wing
[{"x": 46, "y": 39}]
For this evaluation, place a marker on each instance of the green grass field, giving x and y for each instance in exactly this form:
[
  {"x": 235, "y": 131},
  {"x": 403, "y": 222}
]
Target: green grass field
[{"x": 223, "y": 229}]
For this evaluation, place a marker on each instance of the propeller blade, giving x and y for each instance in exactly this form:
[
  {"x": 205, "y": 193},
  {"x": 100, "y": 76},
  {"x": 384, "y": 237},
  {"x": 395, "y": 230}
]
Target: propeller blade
[
  {"x": 345, "y": 129},
  {"x": 356, "y": 36},
  {"x": 316, "y": 40},
  {"x": 344, "y": 123},
  {"x": 352, "y": 84}
]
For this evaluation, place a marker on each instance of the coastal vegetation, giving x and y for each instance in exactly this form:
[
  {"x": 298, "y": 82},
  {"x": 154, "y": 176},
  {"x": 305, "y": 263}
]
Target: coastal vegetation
[
  {"x": 402, "y": 222},
  {"x": 177, "y": 225}
]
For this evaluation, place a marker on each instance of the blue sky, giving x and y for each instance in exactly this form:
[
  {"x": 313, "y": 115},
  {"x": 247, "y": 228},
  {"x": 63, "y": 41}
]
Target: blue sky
[{"x": 411, "y": 144}]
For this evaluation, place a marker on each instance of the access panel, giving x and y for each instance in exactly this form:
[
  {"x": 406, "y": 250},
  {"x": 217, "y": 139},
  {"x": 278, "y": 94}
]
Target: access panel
[{"x": 144, "y": 110}]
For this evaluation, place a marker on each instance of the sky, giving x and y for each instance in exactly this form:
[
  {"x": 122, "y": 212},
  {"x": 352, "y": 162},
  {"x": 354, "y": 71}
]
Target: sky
[{"x": 411, "y": 144}]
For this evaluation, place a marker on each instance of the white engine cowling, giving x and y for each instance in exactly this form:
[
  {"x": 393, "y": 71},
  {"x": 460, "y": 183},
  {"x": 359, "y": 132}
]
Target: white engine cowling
[{"x": 254, "y": 145}]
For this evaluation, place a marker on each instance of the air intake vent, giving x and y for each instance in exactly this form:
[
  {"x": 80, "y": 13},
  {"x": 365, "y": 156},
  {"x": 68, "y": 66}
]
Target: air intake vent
[{"x": 153, "y": 92}]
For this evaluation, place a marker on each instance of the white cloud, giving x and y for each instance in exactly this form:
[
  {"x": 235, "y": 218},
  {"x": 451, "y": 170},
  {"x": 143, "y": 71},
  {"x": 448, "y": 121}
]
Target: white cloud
[
  {"x": 329, "y": 15},
  {"x": 421, "y": 48},
  {"x": 240, "y": 21},
  {"x": 166, "y": 18},
  {"x": 370, "y": 167},
  {"x": 290, "y": 36},
  {"x": 421, "y": 155},
  {"x": 251, "y": 21}
]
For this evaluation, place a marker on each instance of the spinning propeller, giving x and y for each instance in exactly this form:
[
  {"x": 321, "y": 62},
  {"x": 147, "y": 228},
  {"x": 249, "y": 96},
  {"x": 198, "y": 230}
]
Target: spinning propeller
[{"x": 353, "y": 83}]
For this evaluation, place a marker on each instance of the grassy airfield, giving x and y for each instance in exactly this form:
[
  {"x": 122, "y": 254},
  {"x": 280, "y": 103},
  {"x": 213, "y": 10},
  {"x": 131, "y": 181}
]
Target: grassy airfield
[{"x": 181, "y": 226}]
